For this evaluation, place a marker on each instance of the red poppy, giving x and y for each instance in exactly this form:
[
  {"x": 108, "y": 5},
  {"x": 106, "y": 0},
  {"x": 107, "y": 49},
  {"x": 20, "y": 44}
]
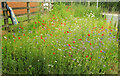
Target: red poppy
[
  {"x": 73, "y": 41},
  {"x": 102, "y": 34},
  {"x": 110, "y": 21},
  {"x": 90, "y": 58},
  {"x": 94, "y": 28},
  {"x": 19, "y": 27},
  {"x": 90, "y": 44},
  {"x": 71, "y": 8},
  {"x": 64, "y": 32},
  {"x": 43, "y": 24},
  {"x": 38, "y": 22},
  {"x": 86, "y": 56},
  {"x": 70, "y": 31},
  {"x": 88, "y": 34},
  {"x": 44, "y": 40},
  {"x": 53, "y": 17},
  {"x": 35, "y": 22},
  {"x": 51, "y": 34},
  {"x": 43, "y": 21},
  {"x": 64, "y": 24},
  {"x": 22, "y": 27},
  {"x": 34, "y": 27},
  {"x": 109, "y": 27},
  {"x": 69, "y": 45},
  {"x": 105, "y": 19},
  {"x": 101, "y": 51},
  {"x": 110, "y": 30},
  {"x": 53, "y": 53},
  {"x": 19, "y": 38},
  {"x": 102, "y": 27},
  {"x": 24, "y": 34},
  {"x": 2, "y": 47},
  {"x": 41, "y": 37},
  {"x": 61, "y": 23},
  {"x": 14, "y": 40},
  {"x": 79, "y": 39},
  {"x": 67, "y": 31}
]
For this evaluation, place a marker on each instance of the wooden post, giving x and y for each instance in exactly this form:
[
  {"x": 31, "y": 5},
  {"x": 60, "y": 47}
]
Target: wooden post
[
  {"x": 71, "y": 3},
  {"x": 28, "y": 11},
  {"x": 88, "y": 3},
  {"x": 42, "y": 7},
  {"x": 5, "y": 14},
  {"x": 52, "y": 4}
]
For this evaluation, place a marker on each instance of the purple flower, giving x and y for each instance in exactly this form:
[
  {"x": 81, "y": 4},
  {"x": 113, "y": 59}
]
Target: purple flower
[
  {"x": 45, "y": 37},
  {"x": 109, "y": 38},
  {"x": 110, "y": 32},
  {"x": 114, "y": 37}
]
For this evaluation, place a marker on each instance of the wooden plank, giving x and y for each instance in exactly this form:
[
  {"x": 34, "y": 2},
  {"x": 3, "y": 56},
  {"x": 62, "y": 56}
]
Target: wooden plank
[
  {"x": 18, "y": 8},
  {"x": 21, "y": 14},
  {"x": 34, "y": 12},
  {"x": 28, "y": 10}
]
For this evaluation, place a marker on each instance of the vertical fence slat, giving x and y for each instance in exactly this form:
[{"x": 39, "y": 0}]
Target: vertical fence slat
[
  {"x": 42, "y": 7},
  {"x": 28, "y": 11},
  {"x": 5, "y": 14}
]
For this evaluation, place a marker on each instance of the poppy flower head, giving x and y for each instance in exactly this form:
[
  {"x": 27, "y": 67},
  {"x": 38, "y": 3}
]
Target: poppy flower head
[
  {"x": 86, "y": 56},
  {"x": 19, "y": 38},
  {"x": 80, "y": 39},
  {"x": 90, "y": 44},
  {"x": 35, "y": 22},
  {"x": 41, "y": 37},
  {"x": 102, "y": 34},
  {"x": 90, "y": 58},
  {"x": 73, "y": 41},
  {"x": 69, "y": 45},
  {"x": 88, "y": 34},
  {"x": 54, "y": 53},
  {"x": 67, "y": 31}
]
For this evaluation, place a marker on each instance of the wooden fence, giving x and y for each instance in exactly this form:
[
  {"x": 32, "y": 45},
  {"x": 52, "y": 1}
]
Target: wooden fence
[{"x": 28, "y": 14}]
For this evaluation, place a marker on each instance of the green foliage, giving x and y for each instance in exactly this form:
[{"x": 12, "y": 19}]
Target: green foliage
[{"x": 53, "y": 45}]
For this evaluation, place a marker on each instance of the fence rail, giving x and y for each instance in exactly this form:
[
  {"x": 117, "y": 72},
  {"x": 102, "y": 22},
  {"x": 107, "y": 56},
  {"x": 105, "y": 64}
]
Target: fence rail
[{"x": 6, "y": 16}]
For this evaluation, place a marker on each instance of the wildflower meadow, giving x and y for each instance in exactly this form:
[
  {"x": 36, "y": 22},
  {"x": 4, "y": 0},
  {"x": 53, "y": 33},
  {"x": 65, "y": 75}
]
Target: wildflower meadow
[{"x": 70, "y": 39}]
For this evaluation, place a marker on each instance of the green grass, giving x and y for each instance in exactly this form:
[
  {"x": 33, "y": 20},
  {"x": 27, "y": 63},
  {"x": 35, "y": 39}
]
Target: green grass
[
  {"x": 18, "y": 19},
  {"x": 58, "y": 43}
]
